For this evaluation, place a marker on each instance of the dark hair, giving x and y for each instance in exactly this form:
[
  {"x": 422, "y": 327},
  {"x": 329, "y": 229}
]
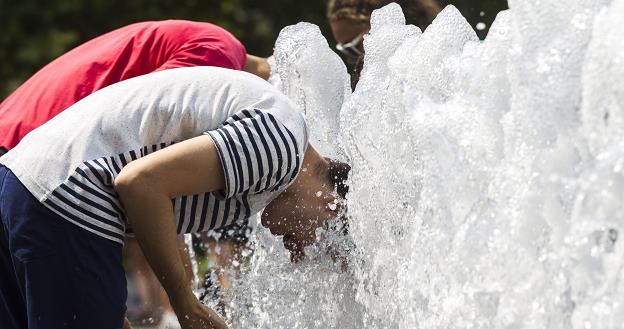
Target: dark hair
[
  {"x": 417, "y": 12},
  {"x": 338, "y": 173}
]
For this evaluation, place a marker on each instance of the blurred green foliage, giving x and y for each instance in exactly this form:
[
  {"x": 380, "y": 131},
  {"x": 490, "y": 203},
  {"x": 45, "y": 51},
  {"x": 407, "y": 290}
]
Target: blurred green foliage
[{"x": 34, "y": 32}]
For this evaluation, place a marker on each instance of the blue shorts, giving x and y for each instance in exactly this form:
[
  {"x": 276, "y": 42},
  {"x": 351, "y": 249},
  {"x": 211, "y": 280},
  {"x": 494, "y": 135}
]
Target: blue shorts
[{"x": 54, "y": 274}]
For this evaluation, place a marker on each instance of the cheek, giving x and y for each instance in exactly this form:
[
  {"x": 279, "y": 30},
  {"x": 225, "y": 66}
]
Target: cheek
[
  {"x": 306, "y": 234},
  {"x": 307, "y": 229},
  {"x": 314, "y": 212},
  {"x": 276, "y": 213},
  {"x": 275, "y": 220}
]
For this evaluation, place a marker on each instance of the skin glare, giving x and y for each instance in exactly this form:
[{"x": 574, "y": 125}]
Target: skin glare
[{"x": 345, "y": 30}]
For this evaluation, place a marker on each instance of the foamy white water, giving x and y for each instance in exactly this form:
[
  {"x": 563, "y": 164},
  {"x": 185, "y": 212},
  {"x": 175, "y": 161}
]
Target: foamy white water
[{"x": 487, "y": 180}]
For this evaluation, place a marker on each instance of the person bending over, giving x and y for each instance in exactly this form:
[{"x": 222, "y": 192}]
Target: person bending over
[
  {"x": 182, "y": 150},
  {"x": 118, "y": 55}
]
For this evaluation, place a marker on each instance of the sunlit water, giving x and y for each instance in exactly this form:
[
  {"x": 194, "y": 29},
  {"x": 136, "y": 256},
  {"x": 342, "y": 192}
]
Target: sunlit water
[{"x": 488, "y": 176}]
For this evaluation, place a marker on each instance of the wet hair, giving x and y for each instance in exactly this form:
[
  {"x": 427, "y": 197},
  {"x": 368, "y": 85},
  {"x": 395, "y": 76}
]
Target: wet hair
[
  {"x": 337, "y": 174},
  {"x": 417, "y": 12}
]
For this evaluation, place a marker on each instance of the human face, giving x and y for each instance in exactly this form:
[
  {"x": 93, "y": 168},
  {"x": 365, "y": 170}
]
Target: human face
[
  {"x": 308, "y": 204},
  {"x": 347, "y": 31},
  {"x": 353, "y": 48}
]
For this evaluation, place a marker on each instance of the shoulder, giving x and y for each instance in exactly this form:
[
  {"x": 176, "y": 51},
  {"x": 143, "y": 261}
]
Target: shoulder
[{"x": 292, "y": 118}]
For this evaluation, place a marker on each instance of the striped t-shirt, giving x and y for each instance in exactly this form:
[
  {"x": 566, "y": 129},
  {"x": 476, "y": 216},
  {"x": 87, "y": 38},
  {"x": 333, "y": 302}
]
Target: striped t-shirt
[{"x": 70, "y": 163}]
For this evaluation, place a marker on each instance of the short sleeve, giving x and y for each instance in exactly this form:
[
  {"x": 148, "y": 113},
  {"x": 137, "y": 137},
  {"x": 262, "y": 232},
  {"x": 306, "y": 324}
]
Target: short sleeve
[{"x": 257, "y": 152}]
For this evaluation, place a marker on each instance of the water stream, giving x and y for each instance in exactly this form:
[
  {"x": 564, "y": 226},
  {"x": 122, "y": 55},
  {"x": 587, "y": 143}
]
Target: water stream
[{"x": 487, "y": 180}]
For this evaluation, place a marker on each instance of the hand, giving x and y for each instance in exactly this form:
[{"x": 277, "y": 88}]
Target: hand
[
  {"x": 126, "y": 324},
  {"x": 199, "y": 316}
]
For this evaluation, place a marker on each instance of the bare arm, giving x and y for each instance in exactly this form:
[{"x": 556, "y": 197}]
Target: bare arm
[
  {"x": 258, "y": 66},
  {"x": 185, "y": 254},
  {"x": 146, "y": 187}
]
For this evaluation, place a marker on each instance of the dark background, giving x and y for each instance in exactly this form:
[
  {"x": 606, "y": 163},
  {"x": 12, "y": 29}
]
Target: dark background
[{"x": 34, "y": 32}]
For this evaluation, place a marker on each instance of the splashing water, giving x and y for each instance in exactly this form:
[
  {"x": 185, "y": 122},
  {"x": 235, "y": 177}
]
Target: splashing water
[{"x": 487, "y": 180}]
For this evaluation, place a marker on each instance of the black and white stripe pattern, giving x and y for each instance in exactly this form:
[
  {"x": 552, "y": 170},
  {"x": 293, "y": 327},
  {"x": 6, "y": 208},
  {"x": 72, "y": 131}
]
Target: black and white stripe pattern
[{"x": 258, "y": 154}]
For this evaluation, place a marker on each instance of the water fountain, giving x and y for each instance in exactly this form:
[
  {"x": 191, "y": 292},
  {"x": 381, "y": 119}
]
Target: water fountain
[{"x": 487, "y": 175}]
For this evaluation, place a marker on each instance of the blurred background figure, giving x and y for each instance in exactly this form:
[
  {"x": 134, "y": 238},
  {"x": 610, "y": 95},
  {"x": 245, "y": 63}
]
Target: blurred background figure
[{"x": 350, "y": 21}]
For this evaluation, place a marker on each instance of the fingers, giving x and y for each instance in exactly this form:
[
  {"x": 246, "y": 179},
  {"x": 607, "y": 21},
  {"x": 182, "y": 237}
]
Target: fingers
[{"x": 126, "y": 324}]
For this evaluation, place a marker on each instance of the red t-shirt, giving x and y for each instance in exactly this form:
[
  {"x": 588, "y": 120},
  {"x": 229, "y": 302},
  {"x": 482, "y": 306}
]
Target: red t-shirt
[{"x": 128, "y": 52}]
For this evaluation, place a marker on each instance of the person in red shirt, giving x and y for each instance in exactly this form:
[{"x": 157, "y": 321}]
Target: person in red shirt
[
  {"x": 127, "y": 52},
  {"x": 124, "y": 53}
]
